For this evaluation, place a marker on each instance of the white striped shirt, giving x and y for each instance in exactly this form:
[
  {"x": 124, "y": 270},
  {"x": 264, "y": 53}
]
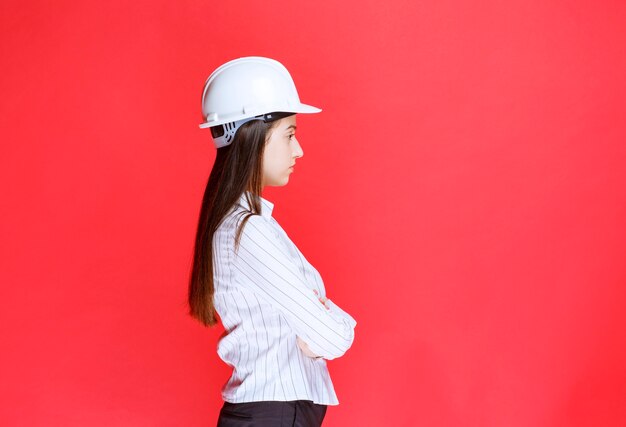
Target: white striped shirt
[{"x": 264, "y": 297}]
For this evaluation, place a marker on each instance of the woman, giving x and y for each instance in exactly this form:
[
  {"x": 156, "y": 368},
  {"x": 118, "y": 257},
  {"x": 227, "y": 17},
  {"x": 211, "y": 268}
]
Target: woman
[{"x": 280, "y": 328}]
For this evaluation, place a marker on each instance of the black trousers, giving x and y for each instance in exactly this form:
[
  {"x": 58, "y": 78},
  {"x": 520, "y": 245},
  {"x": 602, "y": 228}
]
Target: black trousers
[{"x": 294, "y": 413}]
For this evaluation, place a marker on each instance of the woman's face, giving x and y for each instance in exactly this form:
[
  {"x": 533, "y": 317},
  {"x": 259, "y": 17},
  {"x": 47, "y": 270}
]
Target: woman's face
[{"x": 281, "y": 151}]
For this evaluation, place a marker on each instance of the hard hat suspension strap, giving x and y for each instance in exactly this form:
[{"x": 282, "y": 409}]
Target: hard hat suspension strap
[{"x": 224, "y": 134}]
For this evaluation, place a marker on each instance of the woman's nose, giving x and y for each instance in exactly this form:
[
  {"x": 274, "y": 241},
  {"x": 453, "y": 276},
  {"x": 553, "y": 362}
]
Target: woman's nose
[{"x": 298, "y": 152}]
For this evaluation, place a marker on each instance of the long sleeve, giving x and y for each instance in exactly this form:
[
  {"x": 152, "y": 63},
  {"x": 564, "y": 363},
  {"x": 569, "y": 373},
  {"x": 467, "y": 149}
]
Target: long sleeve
[{"x": 263, "y": 265}]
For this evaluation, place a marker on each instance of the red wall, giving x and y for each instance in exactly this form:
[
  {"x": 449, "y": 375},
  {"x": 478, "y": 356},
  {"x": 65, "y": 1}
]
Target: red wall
[{"x": 462, "y": 194}]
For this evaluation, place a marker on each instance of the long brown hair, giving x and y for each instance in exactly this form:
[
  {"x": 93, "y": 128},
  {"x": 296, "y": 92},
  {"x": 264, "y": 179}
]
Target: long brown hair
[{"x": 238, "y": 168}]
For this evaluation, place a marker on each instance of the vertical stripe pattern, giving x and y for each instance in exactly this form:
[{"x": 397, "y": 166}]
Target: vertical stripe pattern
[{"x": 264, "y": 295}]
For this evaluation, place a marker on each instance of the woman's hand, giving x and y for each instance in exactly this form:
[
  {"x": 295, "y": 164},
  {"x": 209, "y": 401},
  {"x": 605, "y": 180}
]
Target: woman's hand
[
  {"x": 321, "y": 299},
  {"x": 303, "y": 345},
  {"x": 305, "y": 348}
]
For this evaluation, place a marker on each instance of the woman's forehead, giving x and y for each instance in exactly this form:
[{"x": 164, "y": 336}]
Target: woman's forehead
[{"x": 287, "y": 123}]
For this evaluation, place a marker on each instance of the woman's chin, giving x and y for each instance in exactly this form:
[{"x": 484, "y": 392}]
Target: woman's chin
[{"x": 280, "y": 183}]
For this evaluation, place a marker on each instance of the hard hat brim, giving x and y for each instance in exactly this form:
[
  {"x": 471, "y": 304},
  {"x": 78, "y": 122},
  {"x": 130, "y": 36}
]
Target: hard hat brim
[{"x": 301, "y": 108}]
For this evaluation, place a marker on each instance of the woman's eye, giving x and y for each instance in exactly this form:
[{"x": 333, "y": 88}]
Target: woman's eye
[{"x": 292, "y": 135}]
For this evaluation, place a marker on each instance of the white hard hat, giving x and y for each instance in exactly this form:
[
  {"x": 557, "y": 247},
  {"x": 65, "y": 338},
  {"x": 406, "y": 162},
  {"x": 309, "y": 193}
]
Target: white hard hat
[{"x": 245, "y": 89}]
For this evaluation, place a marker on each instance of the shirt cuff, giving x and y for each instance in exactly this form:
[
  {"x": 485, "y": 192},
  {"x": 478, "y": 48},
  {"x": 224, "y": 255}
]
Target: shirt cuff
[{"x": 335, "y": 309}]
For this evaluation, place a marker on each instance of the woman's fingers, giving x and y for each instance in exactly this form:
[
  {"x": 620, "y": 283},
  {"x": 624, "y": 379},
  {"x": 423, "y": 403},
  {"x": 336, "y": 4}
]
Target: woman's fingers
[
  {"x": 321, "y": 299},
  {"x": 305, "y": 348}
]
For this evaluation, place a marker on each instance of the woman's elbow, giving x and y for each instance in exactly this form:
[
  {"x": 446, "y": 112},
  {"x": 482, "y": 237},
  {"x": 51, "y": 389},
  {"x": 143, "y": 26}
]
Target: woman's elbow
[{"x": 339, "y": 348}]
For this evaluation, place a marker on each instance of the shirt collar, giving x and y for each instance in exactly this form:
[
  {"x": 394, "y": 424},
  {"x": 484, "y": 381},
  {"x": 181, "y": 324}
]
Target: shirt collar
[{"x": 266, "y": 205}]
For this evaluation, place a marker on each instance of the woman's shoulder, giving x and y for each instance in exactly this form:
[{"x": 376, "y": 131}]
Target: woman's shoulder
[{"x": 251, "y": 224}]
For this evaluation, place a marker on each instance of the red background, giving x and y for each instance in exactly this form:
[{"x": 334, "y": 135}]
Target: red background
[{"x": 462, "y": 195}]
